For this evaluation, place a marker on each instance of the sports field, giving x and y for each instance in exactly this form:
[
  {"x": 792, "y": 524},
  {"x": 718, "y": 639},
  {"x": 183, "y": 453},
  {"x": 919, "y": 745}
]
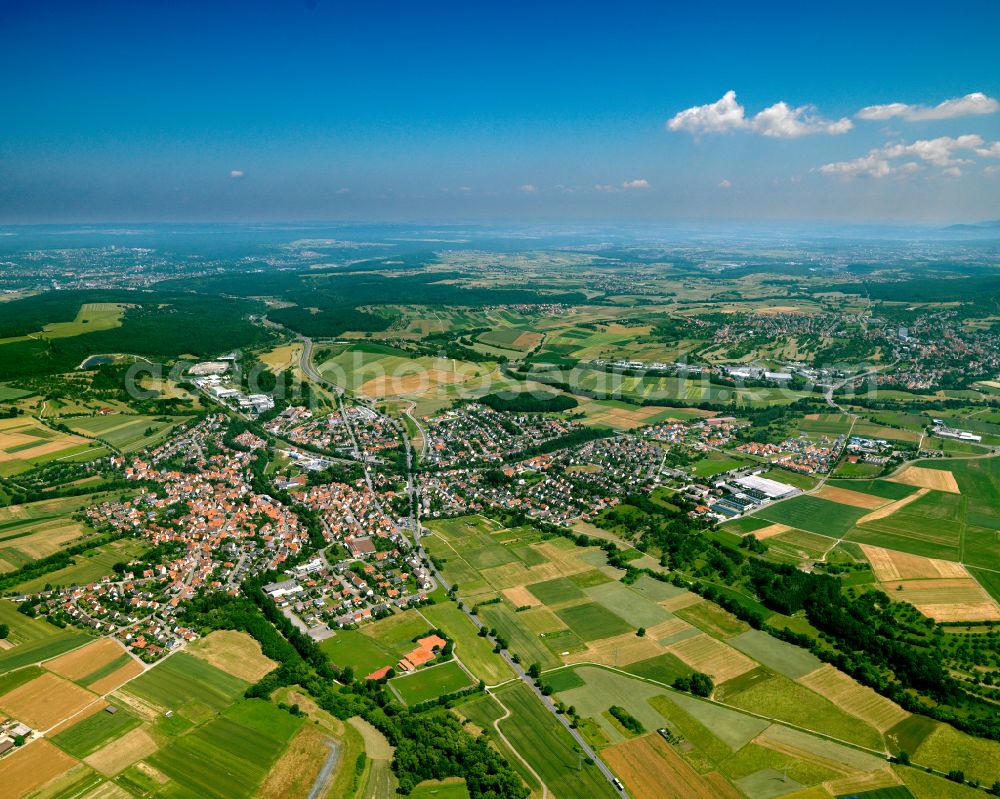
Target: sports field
[{"x": 431, "y": 682}]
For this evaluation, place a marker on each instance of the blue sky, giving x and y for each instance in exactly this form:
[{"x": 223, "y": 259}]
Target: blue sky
[{"x": 150, "y": 110}]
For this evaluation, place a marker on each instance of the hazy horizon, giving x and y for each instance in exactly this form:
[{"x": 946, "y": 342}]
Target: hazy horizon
[{"x": 182, "y": 111}]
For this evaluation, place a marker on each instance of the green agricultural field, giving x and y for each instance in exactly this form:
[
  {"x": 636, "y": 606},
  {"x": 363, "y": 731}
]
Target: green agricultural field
[
  {"x": 813, "y": 515},
  {"x": 381, "y": 643},
  {"x": 521, "y": 640},
  {"x": 546, "y": 745},
  {"x": 946, "y": 748},
  {"x": 780, "y": 698},
  {"x": 663, "y": 668},
  {"x": 857, "y": 470},
  {"x": 483, "y": 710},
  {"x": 557, "y": 591},
  {"x": 41, "y": 650},
  {"x": 185, "y": 684},
  {"x": 125, "y": 432},
  {"x": 713, "y": 620},
  {"x": 877, "y": 488},
  {"x": 430, "y": 683},
  {"x": 990, "y": 580},
  {"x": 784, "y": 658},
  {"x": 228, "y": 756},
  {"x": 928, "y": 786},
  {"x": 95, "y": 731},
  {"x": 716, "y": 463},
  {"x": 475, "y": 652},
  {"x": 713, "y": 730},
  {"x": 797, "y": 545},
  {"x": 435, "y": 789},
  {"x": 15, "y": 679},
  {"x": 9, "y": 393},
  {"x": 592, "y": 621},
  {"x": 634, "y": 608},
  {"x": 90, "y": 566},
  {"x": 833, "y": 424},
  {"x": 932, "y": 526}
]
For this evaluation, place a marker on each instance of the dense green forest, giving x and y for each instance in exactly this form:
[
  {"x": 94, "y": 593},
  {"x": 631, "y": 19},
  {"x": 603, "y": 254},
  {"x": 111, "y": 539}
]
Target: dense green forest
[
  {"x": 161, "y": 325},
  {"x": 328, "y": 303}
]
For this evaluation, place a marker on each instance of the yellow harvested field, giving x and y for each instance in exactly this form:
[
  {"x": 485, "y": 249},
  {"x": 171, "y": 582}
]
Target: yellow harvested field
[
  {"x": 854, "y": 698},
  {"x": 87, "y": 659},
  {"x": 685, "y": 600},
  {"x": 887, "y": 564},
  {"x": 860, "y": 783},
  {"x": 521, "y": 596},
  {"x": 770, "y": 531},
  {"x": 45, "y": 701},
  {"x": 298, "y": 766},
  {"x": 937, "y": 479},
  {"x": 946, "y": 599},
  {"x": 28, "y": 769},
  {"x": 19, "y": 434},
  {"x": 621, "y": 650},
  {"x": 888, "y": 510},
  {"x": 651, "y": 769},
  {"x": 528, "y": 341},
  {"x": 235, "y": 653},
  {"x": 558, "y": 563},
  {"x": 853, "y": 498},
  {"x": 667, "y": 628},
  {"x": 281, "y": 358},
  {"x": 117, "y": 678},
  {"x": 716, "y": 659},
  {"x": 123, "y": 752},
  {"x": 411, "y": 382},
  {"x": 542, "y": 620}
]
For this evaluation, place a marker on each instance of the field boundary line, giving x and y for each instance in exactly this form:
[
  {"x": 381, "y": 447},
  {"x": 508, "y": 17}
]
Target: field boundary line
[{"x": 496, "y": 725}]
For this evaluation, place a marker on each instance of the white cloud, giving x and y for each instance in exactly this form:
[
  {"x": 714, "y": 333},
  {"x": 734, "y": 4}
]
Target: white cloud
[
  {"x": 777, "y": 121},
  {"x": 871, "y": 165},
  {"x": 638, "y": 183},
  {"x": 941, "y": 152},
  {"x": 971, "y": 104},
  {"x": 990, "y": 151},
  {"x": 528, "y": 188},
  {"x": 952, "y": 172},
  {"x": 725, "y": 184},
  {"x": 344, "y": 190},
  {"x": 236, "y": 173},
  {"x": 719, "y": 117},
  {"x": 784, "y": 122},
  {"x": 464, "y": 188}
]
